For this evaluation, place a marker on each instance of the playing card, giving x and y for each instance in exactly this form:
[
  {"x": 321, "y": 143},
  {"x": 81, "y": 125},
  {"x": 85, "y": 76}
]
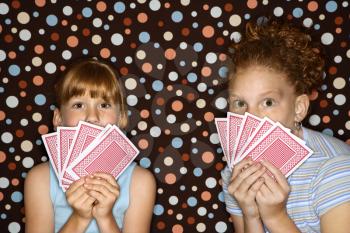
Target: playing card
[
  {"x": 247, "y": 127},
  {"x": 234, "y": 122},
  {"x": 281, "y": 148},
  {"x": 260, "y": 130},
  {"x": 85, "y": 134},
  {"x": 221, "y": 127},
  {"x": 50, "y": 143},
  {"x": 110, "y": 153}
]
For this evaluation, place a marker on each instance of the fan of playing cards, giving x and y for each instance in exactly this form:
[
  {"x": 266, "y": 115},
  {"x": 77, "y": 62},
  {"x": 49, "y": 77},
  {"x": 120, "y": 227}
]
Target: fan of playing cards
[
  {"x": 78, "y": 151},
  {"x": 261, "y": 139}
]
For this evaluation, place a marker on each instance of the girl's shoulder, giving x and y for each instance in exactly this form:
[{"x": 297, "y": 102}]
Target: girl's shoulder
[
  {"x": 40, "y": 170},
  {"x": 141, "y": 174}
]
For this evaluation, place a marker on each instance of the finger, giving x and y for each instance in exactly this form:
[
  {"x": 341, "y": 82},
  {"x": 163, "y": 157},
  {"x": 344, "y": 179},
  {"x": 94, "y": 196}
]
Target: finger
[
  {"x": 75, "y": 185},
  {"x": 104, "y": 188},
  {"x": 107, "y": 177},
  {"x": 279, "y": 177},
  {"x": 247, "y": 177},
  {"x": 241, "y": 166},
  {"x": 98, "y": 181},
  {"x": 257, "y": 185}
]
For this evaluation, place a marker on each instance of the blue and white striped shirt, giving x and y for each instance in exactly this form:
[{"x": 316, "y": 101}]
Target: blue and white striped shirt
[{"x": 319, "y": 184}]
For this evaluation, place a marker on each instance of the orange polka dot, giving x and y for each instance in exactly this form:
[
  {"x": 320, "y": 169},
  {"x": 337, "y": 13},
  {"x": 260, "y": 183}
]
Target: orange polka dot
[
  {"x": 312, "y": 6},
  {"x": 184, "y": 206},
  {"x": 160, "y": 101},
  {"x": 16, "y": 4},
  {"x": 8, "y": 38},
  {"x": 228, "y": 7},
  {"x": 12, "y": 166},
  {"x": 38, "y": 80},
  {"x": 127, "y": 21},
  {"x": 55, "y": 36},
  {"x": 143, "y": 144},
  {"x": 219, "y": 166},
  {"x": 142, "y": 17},
  {"x": 314, "y": 95},
  {"x": 105, "y": 53},
  {"x": 205, "y": 133},
  {"x": 177, "y": 228},
  {"x": 127, "y": 31},
  {"x": 206, "y": 196},
  {"x": 160, "y": 149},
  {"x": 326, "y": 119},
  {"x": 39, "y": 49},
  {"x": 220, "y": 41},
  {"x": 79, "y": 16},
  {"x": 64, "y": 22},
  {"x": 338, "y": 30},
  {"x": 72, "y": 41},
  {"x": 252, "y": 4},
  {"x": 170, "y": 54},
  {"x": 12, "y": 55},
  {"x": 22, "y": 84},
  {"x": 132, "y": 45},
  {"x": 167, "y": 5},
  {"x": 86, "y": 32},
  {"x": 19, "y": 133},
  {"x": 160, "y": 23},
  {"x": 184, "y": 81},
  {"x": 206, "y": 71},
  {"x": 43, "y": 129},
  {"x": 40, "y": 3},
  {"x": 23, "y": 94},
  {"x": 147, "y": 67},
  {"x": 170, "y": 178},
  {"x": 169, "y": 87},
  {"x": 207, "y": 157},
  {"x": 348, "y": 141},
  {"x": 160, "y": 225},
  {"x": 170, "y": 212},
  {"x": 205, "y": 7},
  {"x": 124, "y": 71},
  {"x": 332, "y": 70},
  {"x": 185, "y": 157},
  {"x": 29, "y": 108},
  {"x": 338, "y": 20},
  {"x": 191, "y": 220},
  {"x": 2, "y": 156},
  {"x": 1, "y": 196},
  {"x": 2, "y": 115},
  {"x": 209, "y": 116},
  {"x": 144, "y": 113},
  {"x": 185, "y": 31},
  {"x": 190, "y": 96},
  {"x": 14, "y": 181},
  {"x": 167, "y": 131},
  {"x": 208, "y": 31},
  {"x": 101, "y": 6},
  {"x": 323, "y": 103},
  {"x": 177, "y": 105}
]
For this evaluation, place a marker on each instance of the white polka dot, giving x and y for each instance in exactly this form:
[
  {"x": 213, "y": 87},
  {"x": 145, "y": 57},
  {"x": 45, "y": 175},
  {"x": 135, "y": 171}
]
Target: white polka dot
[
  {"x": 327, "y": 38},
  {"x": 28, "y": 162},
  {"x": 12, "y": 101},
  {"x": 6, "y": 137},
  {"x": 235, "y": 20},
  {"x": 4, "y": 182},
  {"x": 220, "y": 227},
  {"x": 210, "y": 182},
  {"x": 339, "y": 99},
  {"x": 27, "y": 146},
  {"x": 130, "y": 84},
  {"x": 314, "y": 120}
]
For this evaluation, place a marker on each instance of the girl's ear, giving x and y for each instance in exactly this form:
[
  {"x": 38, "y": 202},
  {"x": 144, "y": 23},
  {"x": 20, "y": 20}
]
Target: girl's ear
[
  {"x": 57, "y": 119},
  {"x": 302, "y": 103}
]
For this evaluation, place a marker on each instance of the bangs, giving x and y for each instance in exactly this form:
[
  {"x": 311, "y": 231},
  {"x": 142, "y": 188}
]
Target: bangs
[{"x": 96, "y": 80}]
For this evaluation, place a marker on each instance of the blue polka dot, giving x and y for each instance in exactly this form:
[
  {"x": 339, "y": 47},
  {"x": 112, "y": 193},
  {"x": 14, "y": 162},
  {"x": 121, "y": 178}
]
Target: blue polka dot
[
  {"x": 246, "y": 16},
  {"x": 16, "y": 196},
  {"x": 221, "y": 196},
  {"x": 177, "y": 142},
  {"x": 142, "y": 80},
  {"x": 177, "y": 16},
  {"x": 192, "y": 201},
  {"x": 298, "y": 12},
  {"x": 317, "y": 27},
  {"x": 85, "y": 51},
  {"x": 194, "y": 150},
  {"x": 8, "y": 21},
  {"x": 35, "y": 14},
  {"x": 195, "y": 25},
  {"x": 14, "y": 70},
  {"x": 211, "y": 215},
  {"x": 157, "y": 170},
  {"x": 156, "y": 45},
  {"x": 197, "y": 171},
  {"x": 144, "y": 37},
  {"x": 38, "y": 142},
  {"x": 223, "y": 72},
  {"x": 192, "y": 77},
  {"x": 189, "y": 115},
  {"x": 335, "y": 112},
  {"x": 40, "y": 99},
  {"x": 52, "y": 47},
  {"x": 182, "y": 187},
  {"x": 8, "y": 121},
  {"x": 145, "y": 162},
  {"x": 158, "y": 111},
  {"x": 106, "y": 27},
  {"x": 22, "y": 48},
  {"x": 331, "y": 6},
  {"x": 328, "y": 132},
  {"x": 220, "y": 24},
  {"x": 198, "y": 47},
  {"x": 51, "y": 20},
  {"x": 12, "y": 150},
  {"x": 119, "y": 7},
  {"x": 157, "y": 85},
  {"x": 219, "y": 150},
  {"x": 3, "y": 216},
  {"x": 86, "y": 12},
  {"x": 2, "y": 90},
  {"x": 324, "y": 87},
  {"x": 158, "y": 209}
]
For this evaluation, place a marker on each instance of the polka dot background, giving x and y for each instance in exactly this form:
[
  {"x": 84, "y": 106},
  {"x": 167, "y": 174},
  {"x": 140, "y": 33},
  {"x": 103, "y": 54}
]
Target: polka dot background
[{"x": 171, "y": 56}]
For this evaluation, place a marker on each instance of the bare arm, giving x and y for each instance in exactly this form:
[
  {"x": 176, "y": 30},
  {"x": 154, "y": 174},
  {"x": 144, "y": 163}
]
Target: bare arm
[
  {"x": 142, "y": 197},
  {"x": 247, "y": 225},
  {"x": 37, "y": 203},
  {"x": 336, "y": 220}
]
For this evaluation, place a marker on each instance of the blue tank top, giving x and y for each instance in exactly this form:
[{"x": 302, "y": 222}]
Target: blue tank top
[{"x": 62, "y": 210}]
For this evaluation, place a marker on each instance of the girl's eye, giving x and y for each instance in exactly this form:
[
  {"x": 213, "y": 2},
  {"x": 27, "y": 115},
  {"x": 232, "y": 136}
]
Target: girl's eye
[
  {"x": 238, "y": 104},
  {"x": 106, "y": 105},
  {"x": 268, "y": 102},
  {"x": 78, "y": 105}
]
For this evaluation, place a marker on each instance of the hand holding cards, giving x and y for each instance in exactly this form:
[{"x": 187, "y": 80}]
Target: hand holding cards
[
  {"x": 261, "y": 139},
  {"x": 78, "y": 151}
]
